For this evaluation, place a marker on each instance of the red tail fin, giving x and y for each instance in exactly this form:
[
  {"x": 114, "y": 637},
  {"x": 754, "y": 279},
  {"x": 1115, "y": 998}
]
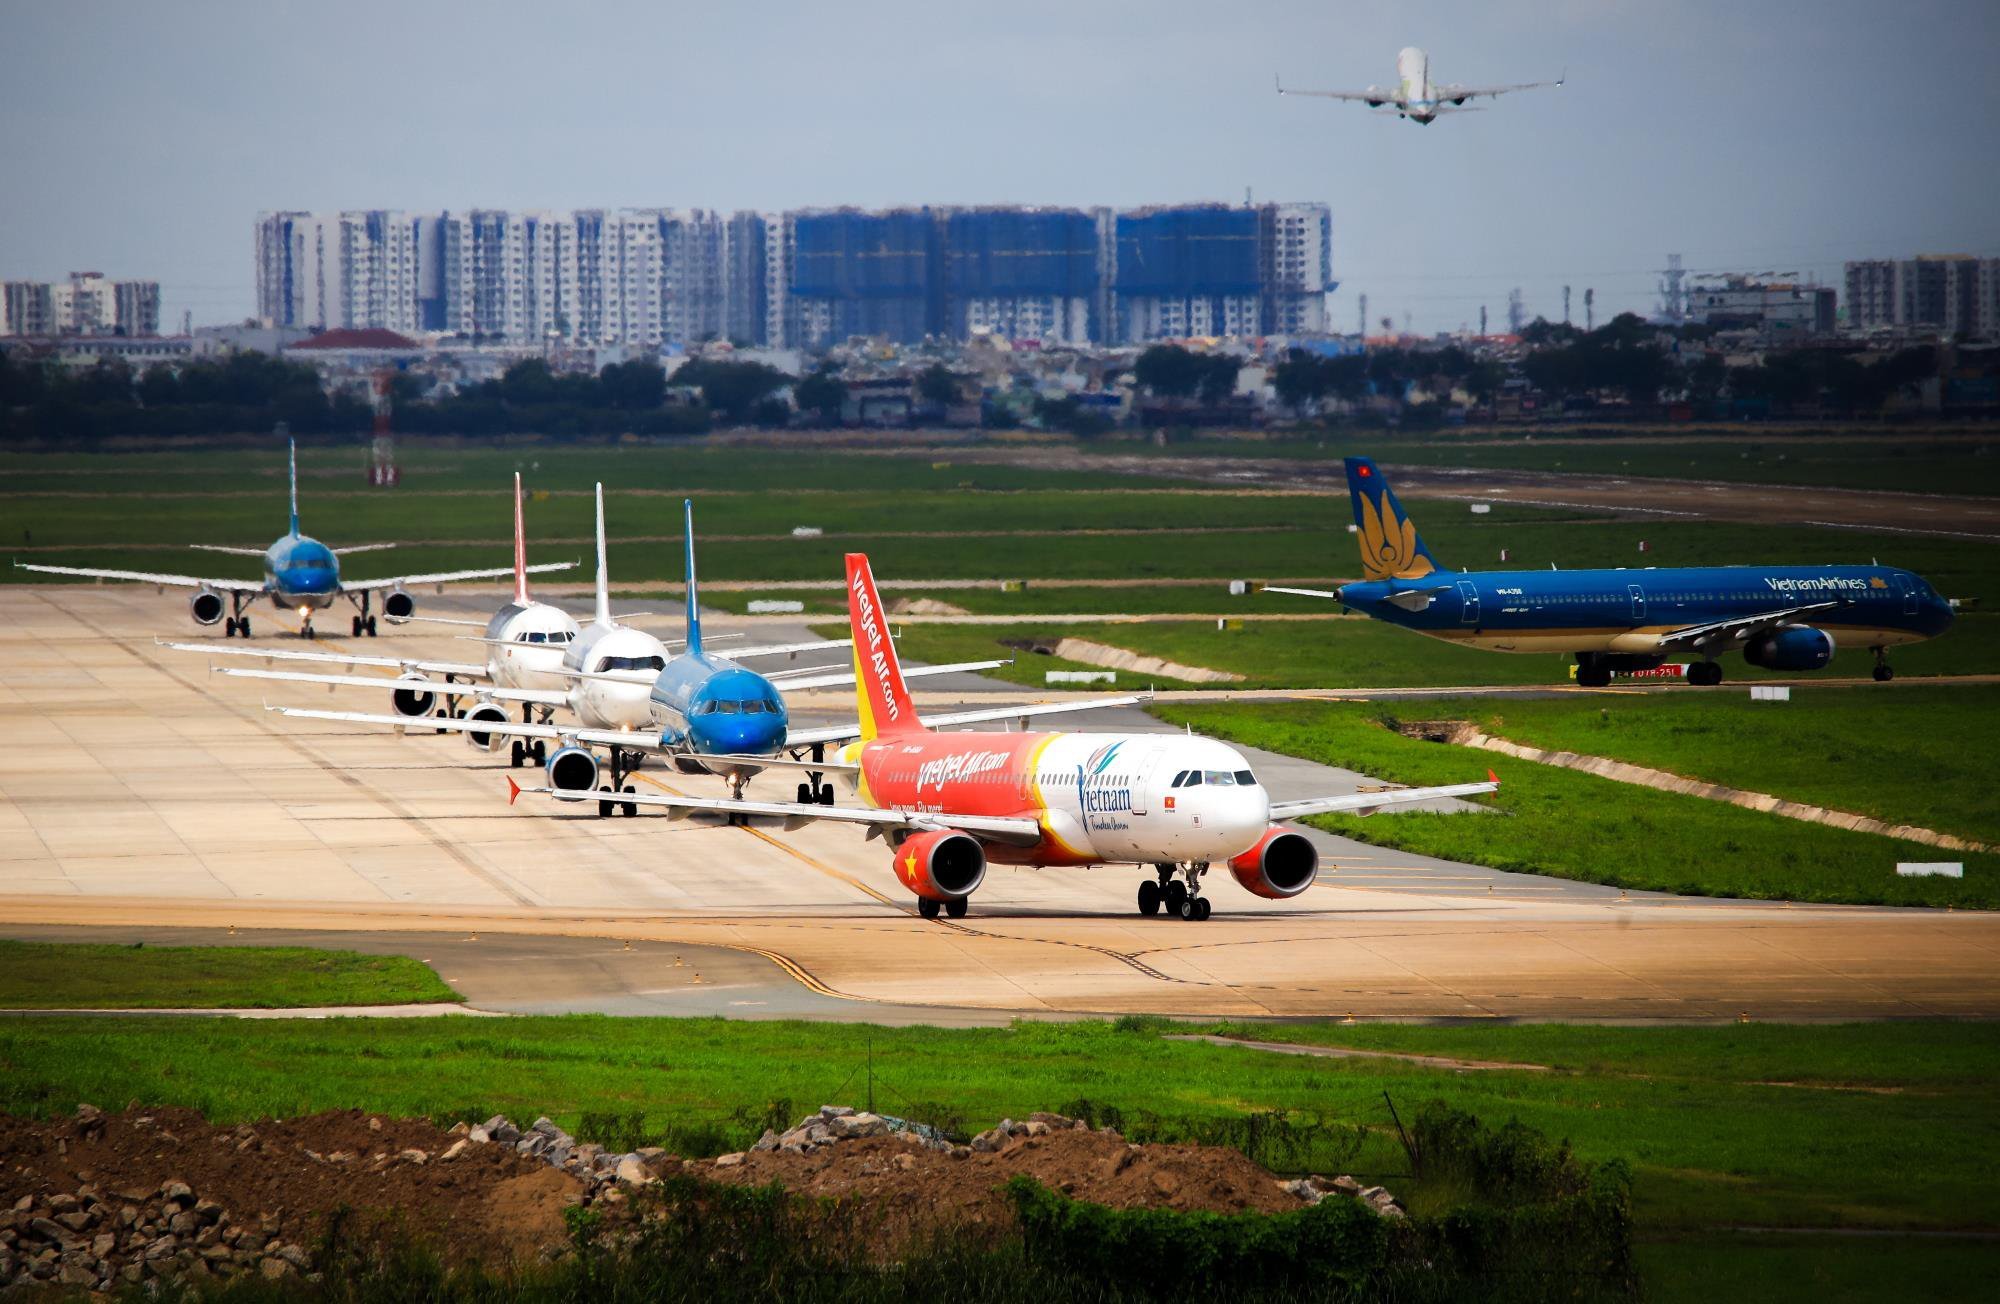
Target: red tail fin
[
  {"x": 520, "y": 549},
  {"x": 879, "y": 692}
]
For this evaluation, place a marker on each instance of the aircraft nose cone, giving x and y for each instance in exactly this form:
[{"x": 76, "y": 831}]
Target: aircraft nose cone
[{"x": 738, "y": 735}]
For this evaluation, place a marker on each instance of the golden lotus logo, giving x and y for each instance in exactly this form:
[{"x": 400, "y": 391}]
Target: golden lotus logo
[
  {"x": 1389, "y": 546},
  {"x": 1877, "y": 582}
]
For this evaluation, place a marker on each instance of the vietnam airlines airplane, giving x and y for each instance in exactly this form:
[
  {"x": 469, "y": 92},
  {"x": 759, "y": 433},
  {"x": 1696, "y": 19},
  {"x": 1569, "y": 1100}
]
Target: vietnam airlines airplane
[
  {"x": 707, "y": 713},
  {"x": 301, "y": 574},
  {"x": 1416, "y": 96},
  {"x": 951, "y": 802},
  {"x": 1620, "y": 621}
]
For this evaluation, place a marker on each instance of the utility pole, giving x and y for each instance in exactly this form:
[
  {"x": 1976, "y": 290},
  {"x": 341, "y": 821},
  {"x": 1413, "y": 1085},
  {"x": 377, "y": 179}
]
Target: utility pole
[
  {"x": 1482, "y": 321},
  {"x": 1589, "y": 309},
  {"x": 1517, "y": 315},
  {"x": 1565, "y": 305},
  {"x": 1364, "y": 317}
]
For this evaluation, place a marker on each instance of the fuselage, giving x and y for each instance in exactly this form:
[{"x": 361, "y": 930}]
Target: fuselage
[
  {"x": 1413, "y": 83},
  {"x": 1627, "y": 611},
  {"x": 1121, "y": 798},
  {"x": 527, "y": 643},
  {"x": 616, "y": 650},
  {"x": 301, "y": 572}
]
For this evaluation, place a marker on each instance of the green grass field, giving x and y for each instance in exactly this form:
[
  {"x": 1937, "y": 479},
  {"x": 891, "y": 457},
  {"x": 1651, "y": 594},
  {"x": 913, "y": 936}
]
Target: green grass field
[
  {"x": 1893, "y": 1129},
  {"x": 1571, "y": 825},
  {"x": 74, "y": 976},
  {"x": 1918, "y": 756}
]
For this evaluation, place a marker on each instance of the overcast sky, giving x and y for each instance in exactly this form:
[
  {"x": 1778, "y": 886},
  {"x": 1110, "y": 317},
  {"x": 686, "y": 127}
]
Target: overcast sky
[{"x": 141, "y": 139}]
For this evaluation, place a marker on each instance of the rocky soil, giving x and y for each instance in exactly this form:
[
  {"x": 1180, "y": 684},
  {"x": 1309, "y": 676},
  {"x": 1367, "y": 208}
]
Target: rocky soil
[{"x": 100, "y": 1200}]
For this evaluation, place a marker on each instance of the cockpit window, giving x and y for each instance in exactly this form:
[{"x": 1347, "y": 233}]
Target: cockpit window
[
  {"x": 535, "y": 637},
  {"x": 311, "y": 563},
  {"x": 633, "y": 663},
  {"x": 1193, "y": 778},
  {"x": 1222, "y": 777},
  {"x": 1179, "y": 779},
  {"x": 753, "y": 707},
  {"x": 1245, "y": 779},
  {"x": 771, "y": 706}
]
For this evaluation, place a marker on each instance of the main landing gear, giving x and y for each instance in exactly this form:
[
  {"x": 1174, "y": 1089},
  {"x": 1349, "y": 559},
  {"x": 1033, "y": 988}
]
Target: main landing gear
[
  {"x": 1883, "y": 674},
  {"x": 534, "y": 752},
  {"x": 238, "y": 623},
  {"x": 1178, "y": 897},
  {"x": 363, "y": 623},
  {"x": 930, "y": 909},
  {"x": 623, "y": 762},
  {"x": 1704, "y": 674},
  {"x": 815, "y": 791}
]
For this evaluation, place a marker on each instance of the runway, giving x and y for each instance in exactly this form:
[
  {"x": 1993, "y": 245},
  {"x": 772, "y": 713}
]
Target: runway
[{"x": 137, "y": 791}]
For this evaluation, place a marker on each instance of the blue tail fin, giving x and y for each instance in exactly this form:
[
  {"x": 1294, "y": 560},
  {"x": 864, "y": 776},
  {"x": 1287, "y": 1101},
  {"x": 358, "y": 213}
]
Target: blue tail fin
[
  {"x": 1391, "y": 548},
  {"x": 292, "y": 454},
  {"x": 693, "y": 598}
]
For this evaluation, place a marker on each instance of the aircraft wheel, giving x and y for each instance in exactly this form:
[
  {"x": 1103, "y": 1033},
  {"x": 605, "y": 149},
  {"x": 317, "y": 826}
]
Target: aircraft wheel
[
  {"x": 516, "y": 756},
  {"x": 1705, "y": 674},
  {"x": 1593, "y": 677},
  {"x": 229, "y": 628},
  {"x": 1884, "y": 674},
  {"x": 1189, "y": 908},
  {"x": 371, "y": 627},
  {"x": 826, "y": 794},
  {"x": 357, "y": 627},
  {"x": 1174, "y": 896},
  {"x": 928, "y": 908},
  {"x": 541, "y": 752},
  {"x": 604, "y": 808},
  {"x": 956, "y": 907},
  {"x": 1201, "y": 908},
  {"x": 807, "y": 796},
  {"x": 631, "y": 807},
  {"x": 243, "y": 627},
  {"x": 1149, "y": 897}
]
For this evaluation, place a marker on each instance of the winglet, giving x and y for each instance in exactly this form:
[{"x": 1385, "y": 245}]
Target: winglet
[
  {"x": 520, "y": 549},
  {"x": 1493, "y": 778},
  {"x": 292, "y": 456},
  {"x": 693, "y": 600},
  {"x": 603, "y": 577},
  {"x": 513, "y": 790}
]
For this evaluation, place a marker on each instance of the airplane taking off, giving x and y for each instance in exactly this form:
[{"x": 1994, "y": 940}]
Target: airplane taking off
[
  {"x": 1416, "y": 97},
  {"x": 301, "y": 574},
  {"x": 704, "y": 711},
  {"x": 1620, "y": 621},
  {"x": 950, "y": 802}
]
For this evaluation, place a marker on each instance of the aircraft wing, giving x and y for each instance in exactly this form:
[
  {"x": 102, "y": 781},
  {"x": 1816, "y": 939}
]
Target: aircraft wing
[
  {"x": 1727, "y": 633},
  {"x": 848, "y": 733},
  {"x": 1457, "y": 92},
  {"x": 1367, "y": 803},
  {"x": 465, "y": 668},
  {"x": 789, "y": 649},
  {"x": 444, "y": 577},
  {"x": 362, "y": 547},
  {"x": 1303, "y": 593},
  {"x": 1017, "y": 830},
  {"x": 154, "y": 577},
  {"x": 1360, "y": 97},
  {"x": 537, "y": 696},
  {"x": 234, "y": 552},
  {"x": 505, "y": 728}
]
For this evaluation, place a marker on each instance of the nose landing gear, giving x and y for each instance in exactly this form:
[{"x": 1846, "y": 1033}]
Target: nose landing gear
[
  {"x": 1182, "y": 898},
  {"x": 1883, "y": 672}
]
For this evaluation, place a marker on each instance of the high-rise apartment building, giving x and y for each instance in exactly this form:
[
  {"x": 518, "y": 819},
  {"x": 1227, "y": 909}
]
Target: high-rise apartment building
[
  {"x": 1955, "y": 294},
  {"x": 659, "y": 277},
  {"x": 86, "y": 304}
]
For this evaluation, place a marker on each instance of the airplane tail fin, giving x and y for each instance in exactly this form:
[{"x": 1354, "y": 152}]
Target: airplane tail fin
[
  {"x": 520, "y": 549},
  {"x": 693, "y": 598},
  {"x": 1391, "y": 548},
  {"x": 292, "y": 456},
  {"x": 880, "y": 695},
  {"x": 603, "y": 575}
]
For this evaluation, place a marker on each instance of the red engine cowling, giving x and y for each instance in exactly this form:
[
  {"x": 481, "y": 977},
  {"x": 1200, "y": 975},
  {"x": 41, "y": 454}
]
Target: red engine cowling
[
  {"x": 1283, "y": 864},
  {"x": 942, "y": 866}
]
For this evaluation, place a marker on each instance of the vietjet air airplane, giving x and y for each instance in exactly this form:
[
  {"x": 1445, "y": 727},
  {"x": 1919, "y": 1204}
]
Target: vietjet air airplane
[
  {"x": 1620, "y": 621},
  {"x": 301, "y": 574},
  {"x": 1416, "y": 96},
  {"x": 951, "y": 802},
  {"x": 630, "y": 699}
]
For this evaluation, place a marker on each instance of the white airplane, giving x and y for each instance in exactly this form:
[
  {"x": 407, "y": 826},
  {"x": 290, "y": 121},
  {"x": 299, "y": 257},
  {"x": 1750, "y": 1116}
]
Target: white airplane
[
  {"x": 950, "y": 802},
  {"x": 1416, "y": 96},
  {"x": 628, "y": 697},
  {"x": 300, "y": 574}
]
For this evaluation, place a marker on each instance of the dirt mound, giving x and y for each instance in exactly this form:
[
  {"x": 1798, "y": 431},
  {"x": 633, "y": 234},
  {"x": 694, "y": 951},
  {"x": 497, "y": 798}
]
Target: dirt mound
[{"x": 103, "y": 1198}]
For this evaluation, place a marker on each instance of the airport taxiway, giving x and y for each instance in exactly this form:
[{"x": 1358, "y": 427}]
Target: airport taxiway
[{"x": 138, "y": 791}]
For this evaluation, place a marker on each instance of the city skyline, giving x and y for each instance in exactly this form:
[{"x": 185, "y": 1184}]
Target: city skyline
[{"x": 155, "y": 137}]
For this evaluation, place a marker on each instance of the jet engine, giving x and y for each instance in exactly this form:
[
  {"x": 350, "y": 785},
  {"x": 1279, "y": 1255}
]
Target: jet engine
[
  {"x": 397, "y": 604},
  {"x": 1796, "y": 647},
  {"x": 941, "y": 866},
  {"x": 418, "y": 698},
  {"x": 1283, "y": 864},
  {"x": 573, "y": 769},
  {"x": 488, "y": 712},
  {"x": 205, "y": 606},
  {"x": 1376, "y": 97}
]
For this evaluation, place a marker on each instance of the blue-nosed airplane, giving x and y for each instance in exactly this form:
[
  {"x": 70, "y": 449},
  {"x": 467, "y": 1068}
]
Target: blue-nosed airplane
[
  {"x": 1621, "y": 621},
  {"x": 301, "y": 575},
  {"x": 704, "y": 712}
]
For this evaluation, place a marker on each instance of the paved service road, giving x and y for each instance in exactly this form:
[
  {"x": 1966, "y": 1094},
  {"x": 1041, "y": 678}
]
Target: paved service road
[{"x": 137, "y": 791}]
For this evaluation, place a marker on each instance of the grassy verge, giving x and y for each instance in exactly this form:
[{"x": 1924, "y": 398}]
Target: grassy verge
[
  {"x": 73, "y": 976},
  {"x": 1901, "y": 758},
  {"x": 1572, "y": 825},
  {"x": 1356, "y": 652}
]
